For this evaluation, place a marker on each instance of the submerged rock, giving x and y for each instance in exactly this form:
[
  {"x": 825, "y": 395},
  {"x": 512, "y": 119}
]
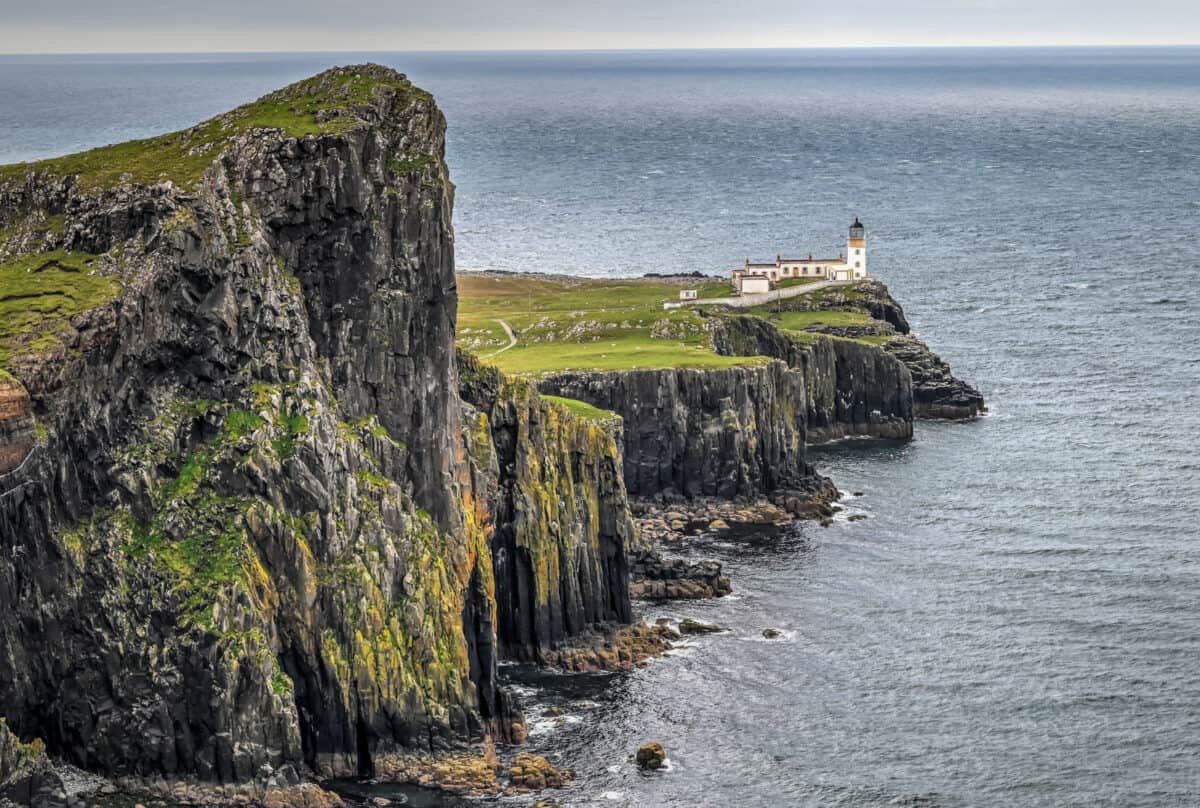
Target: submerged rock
[{"x": 690, "y": 626}]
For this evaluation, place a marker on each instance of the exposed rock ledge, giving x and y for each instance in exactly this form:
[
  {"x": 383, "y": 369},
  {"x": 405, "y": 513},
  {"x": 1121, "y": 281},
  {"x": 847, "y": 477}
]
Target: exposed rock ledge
[
  {"x": 937, "y": 393},
  {"x": 266, "y": 528},
  {"x": 274, "y": 529},
  {"x": 18, "y": 433}
]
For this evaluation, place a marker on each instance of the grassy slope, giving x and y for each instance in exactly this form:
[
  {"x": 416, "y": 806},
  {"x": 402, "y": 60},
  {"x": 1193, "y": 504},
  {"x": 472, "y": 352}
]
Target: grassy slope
[
  {"x": 183, "y": 156},
  {"x": 39, "y": 294},
  {"x": 595, "y": 324},
  {"x": 582, "y": 408},
  {"x": 805, "y": 324},
  {"x": 788, "y": 283},
  {"x": 591, "y": 324}
]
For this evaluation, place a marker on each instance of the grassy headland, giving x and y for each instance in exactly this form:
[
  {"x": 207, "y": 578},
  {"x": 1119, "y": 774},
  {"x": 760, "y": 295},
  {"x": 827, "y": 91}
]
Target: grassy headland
[
  {"x": 325, "y": 104},
  {"x": 565, "y": 323},
  {"x": 42, "y": 288},
  {"x": 561, "y": 323}
]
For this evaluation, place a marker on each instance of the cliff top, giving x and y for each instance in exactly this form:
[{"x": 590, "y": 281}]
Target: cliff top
[
  {"x": 50, "y": 216},
  {"x": 335, "y": 101},
  {"x": 561, "y": 323}
]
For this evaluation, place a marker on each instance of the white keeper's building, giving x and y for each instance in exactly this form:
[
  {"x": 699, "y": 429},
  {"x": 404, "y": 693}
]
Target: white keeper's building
[{"x": 754, "y": 278}]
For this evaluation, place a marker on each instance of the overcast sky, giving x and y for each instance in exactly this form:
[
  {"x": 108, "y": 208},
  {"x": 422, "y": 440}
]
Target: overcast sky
[{"x": 49, "y": 26}]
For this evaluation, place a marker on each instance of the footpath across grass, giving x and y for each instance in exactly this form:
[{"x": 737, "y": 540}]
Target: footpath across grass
[{"x": 566, "y": 323}]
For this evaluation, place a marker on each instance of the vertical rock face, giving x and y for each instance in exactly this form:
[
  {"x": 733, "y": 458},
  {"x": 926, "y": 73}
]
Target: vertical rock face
[
  {"x": 561, "y": 520},
  {"x": 850, "y": 388},
  {"x": 373, "y": 250},
  {"x": 736, "y": 432},
  {"x": 258, "y": 534},
  {"x": 937, "y": 393}
]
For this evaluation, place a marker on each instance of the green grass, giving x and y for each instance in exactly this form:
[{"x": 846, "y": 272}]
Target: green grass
[
  {"x": 411, "y": 165},
  {"x": 707, "y": 291},
  {"x": 806, "y": 325},
  {"x": 324, "y": 104},
  {"x": 582, "y": 408},
  {"x": 240, "y": 423},
  {"x": 804, "y": 320},
  {"x": 586, "y": 324},
  {"x": 212, "y": 552},
  {"x": 281, "y": 685},
  {"x": 293, "y": 427},
  {"x": 787, "y": 283},
  {"x": 39, "y": 294}
]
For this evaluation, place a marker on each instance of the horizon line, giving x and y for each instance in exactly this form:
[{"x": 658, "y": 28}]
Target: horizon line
[{"x": 681, "y": 49}]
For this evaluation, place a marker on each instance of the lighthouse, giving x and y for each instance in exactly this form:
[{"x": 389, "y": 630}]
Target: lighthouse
[{"x": 856, "y": 250}]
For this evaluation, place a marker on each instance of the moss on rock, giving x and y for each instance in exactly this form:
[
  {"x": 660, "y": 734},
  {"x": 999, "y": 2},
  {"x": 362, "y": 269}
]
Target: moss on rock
[{"x": 333, "y": 102}]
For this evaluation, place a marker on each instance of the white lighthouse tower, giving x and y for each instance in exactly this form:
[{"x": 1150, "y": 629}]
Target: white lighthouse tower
[{"x": 856, "y": 250}]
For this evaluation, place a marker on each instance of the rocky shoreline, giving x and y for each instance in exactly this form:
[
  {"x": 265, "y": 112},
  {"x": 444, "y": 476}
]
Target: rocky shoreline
[{"x": 262, "y": 524}]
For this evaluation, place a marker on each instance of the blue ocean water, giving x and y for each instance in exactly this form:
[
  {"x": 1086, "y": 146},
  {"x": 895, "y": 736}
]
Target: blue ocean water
[{"x": 1018, "y": 621}]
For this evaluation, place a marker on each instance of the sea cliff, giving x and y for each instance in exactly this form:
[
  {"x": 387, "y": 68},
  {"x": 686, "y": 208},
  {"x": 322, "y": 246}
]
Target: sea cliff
[
  {"x": 262, "y": 522},
  {"x": 850, "y": 388},
  {"x": 256, "y": 532}
]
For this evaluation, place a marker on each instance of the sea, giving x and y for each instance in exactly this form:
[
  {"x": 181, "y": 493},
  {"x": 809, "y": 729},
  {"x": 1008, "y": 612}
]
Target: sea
[{"x": 1017, "y": 620}]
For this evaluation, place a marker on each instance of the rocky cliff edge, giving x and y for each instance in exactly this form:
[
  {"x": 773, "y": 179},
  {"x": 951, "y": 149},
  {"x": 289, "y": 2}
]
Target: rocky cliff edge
[{"x": 248, "y": 525}]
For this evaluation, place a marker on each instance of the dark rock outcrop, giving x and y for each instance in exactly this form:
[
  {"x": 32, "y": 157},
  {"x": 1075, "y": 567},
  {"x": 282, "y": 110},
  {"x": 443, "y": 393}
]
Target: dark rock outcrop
[
  {"x": 937, "y": 393},
  {"x": 26, "y": 775},
  {"x": 624, "y": 649},
  {"x": 659, "y": 578},
  {"x": 740, "y": 432},
  {"x": 260, "y": 531},
  {"x": 850, "y": 388},
  {"x": 732, "y": 432},
  {"x": 561, "y": 523}
]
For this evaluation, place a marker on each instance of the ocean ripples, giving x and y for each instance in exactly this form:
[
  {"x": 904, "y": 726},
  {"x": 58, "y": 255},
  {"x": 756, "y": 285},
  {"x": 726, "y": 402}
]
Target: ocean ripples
[{"x": 1016, "y": 623}]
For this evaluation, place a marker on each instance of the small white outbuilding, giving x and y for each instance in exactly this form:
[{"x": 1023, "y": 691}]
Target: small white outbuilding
[{"x": 754, "y": 284}]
